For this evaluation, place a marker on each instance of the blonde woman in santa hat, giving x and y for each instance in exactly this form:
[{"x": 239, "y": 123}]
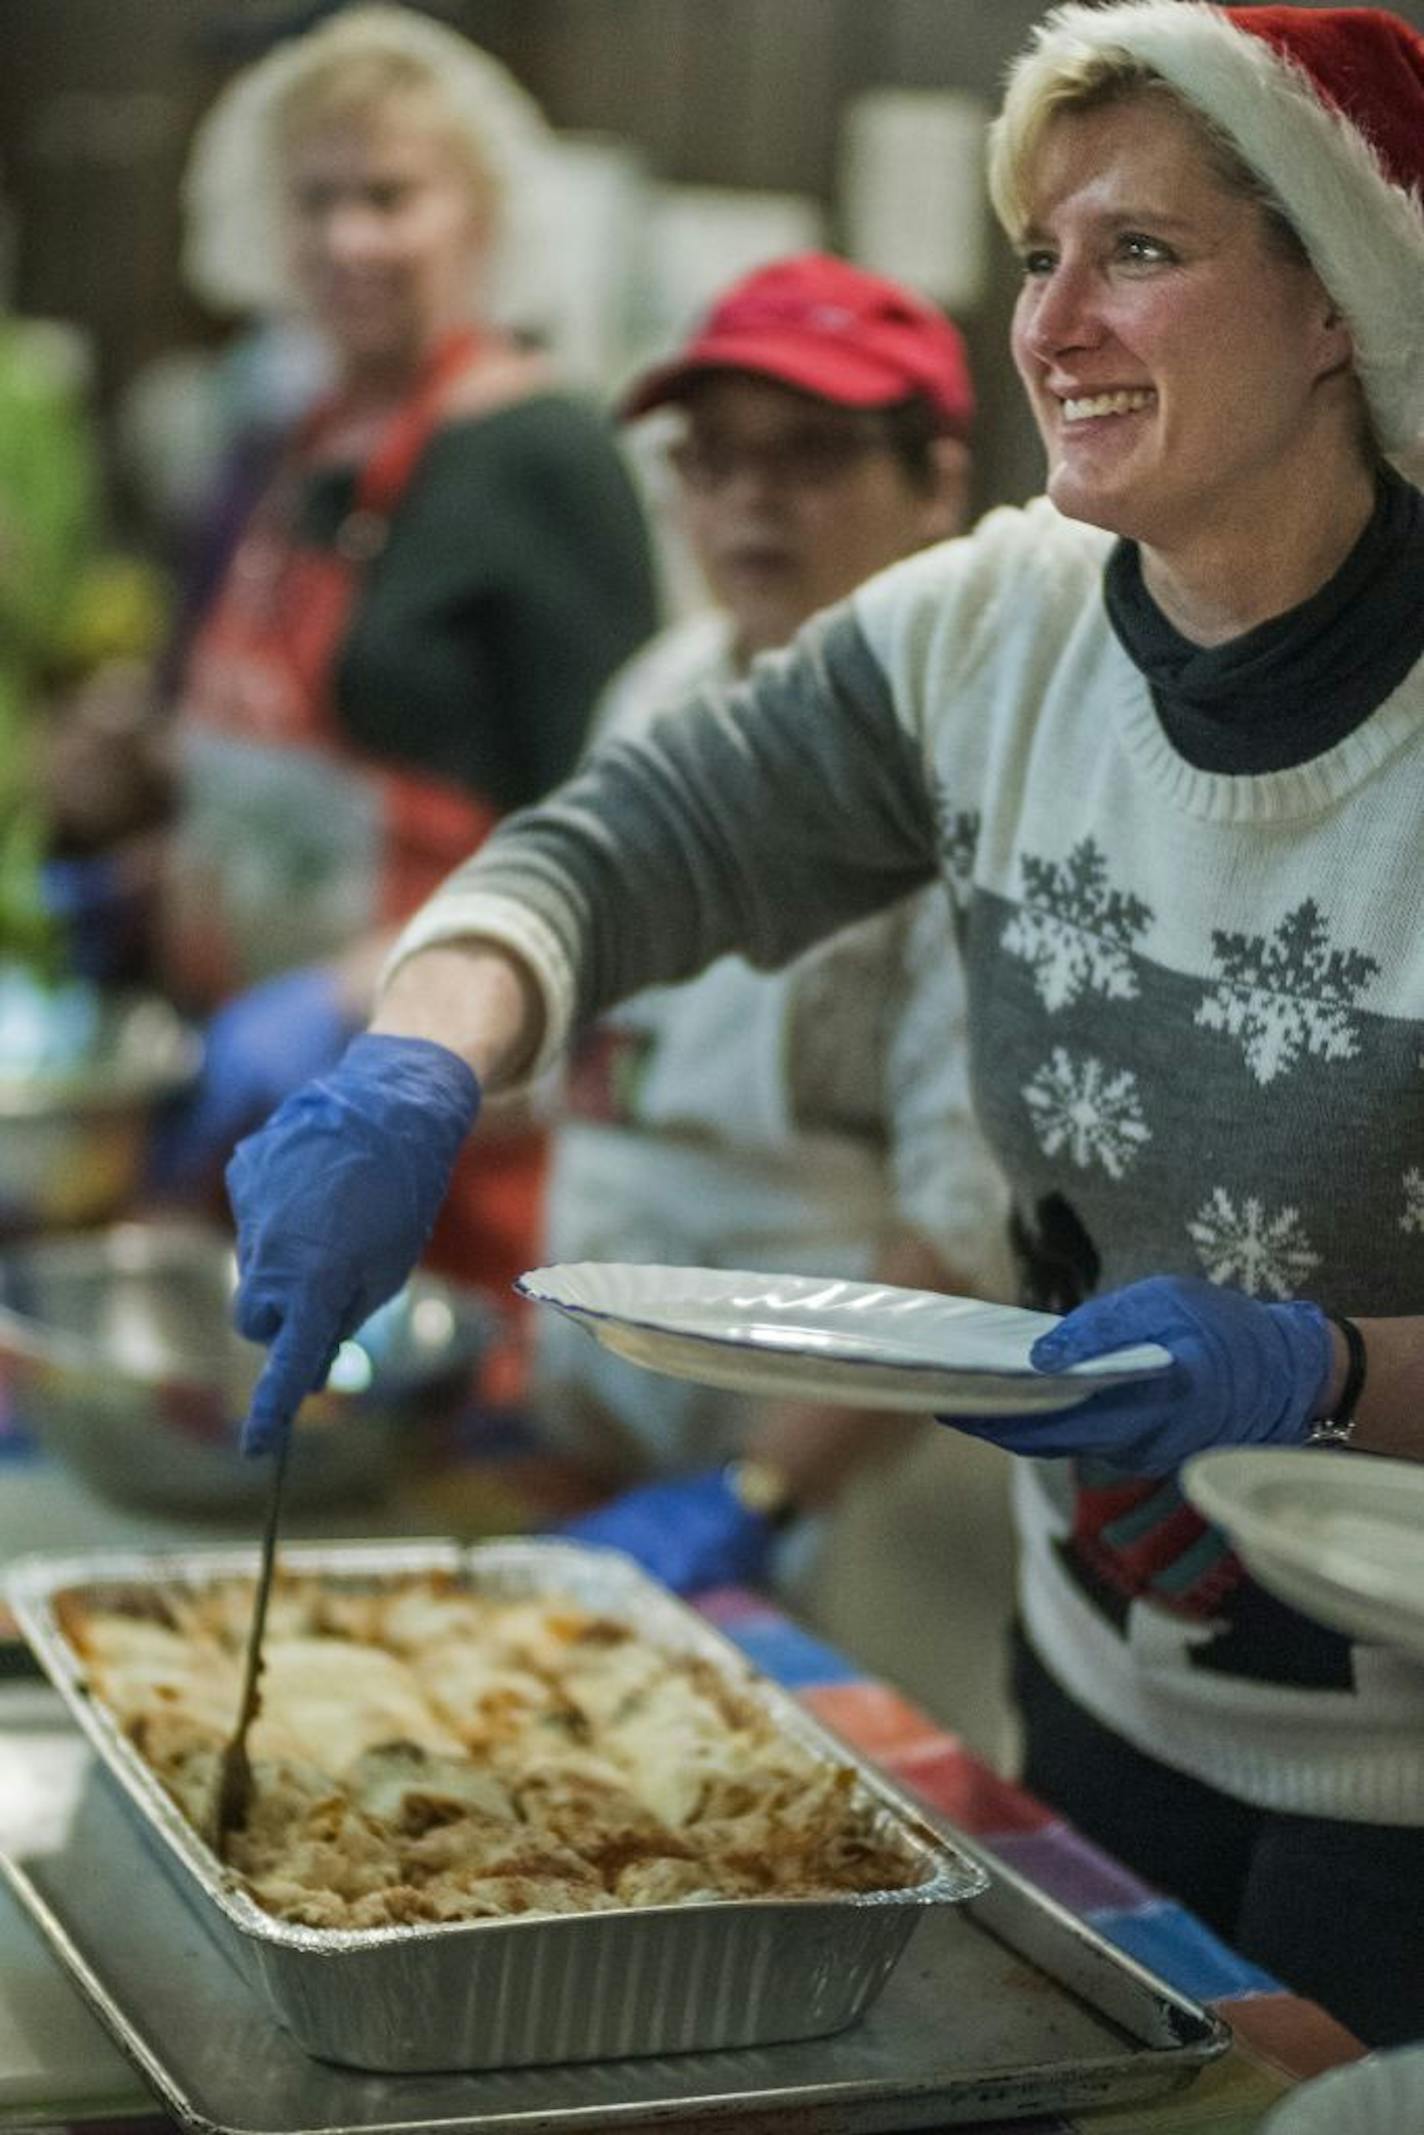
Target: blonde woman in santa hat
[
  {"x": 441, "y": 564},
  {"x": 1161, "y": 733}
]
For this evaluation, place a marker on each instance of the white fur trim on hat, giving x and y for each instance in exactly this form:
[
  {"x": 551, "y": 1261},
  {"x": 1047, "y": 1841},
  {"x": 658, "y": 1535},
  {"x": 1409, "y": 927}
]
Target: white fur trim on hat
[
  {"x": 1364, "y": 234},
  {"x": 234, "y": 252}
]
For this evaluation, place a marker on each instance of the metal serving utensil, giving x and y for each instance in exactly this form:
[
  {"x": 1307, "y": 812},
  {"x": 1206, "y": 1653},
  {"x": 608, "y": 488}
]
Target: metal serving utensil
[{"x": 233, "y": 1787}]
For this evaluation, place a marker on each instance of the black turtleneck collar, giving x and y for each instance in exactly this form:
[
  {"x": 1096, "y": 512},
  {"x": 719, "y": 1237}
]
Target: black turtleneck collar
[{"x": 1294, "y": 686}]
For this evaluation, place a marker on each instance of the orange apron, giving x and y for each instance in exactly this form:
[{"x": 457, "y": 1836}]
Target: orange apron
[{"x": 294, "y": 841}]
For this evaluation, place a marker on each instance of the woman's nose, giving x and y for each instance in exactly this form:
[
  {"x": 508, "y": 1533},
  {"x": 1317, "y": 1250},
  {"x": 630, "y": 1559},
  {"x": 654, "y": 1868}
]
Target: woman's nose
[
  {"x": 755, "y": 479},
  {"x": 350, "y": 230},
  {"x": 1062, "y": 312}
]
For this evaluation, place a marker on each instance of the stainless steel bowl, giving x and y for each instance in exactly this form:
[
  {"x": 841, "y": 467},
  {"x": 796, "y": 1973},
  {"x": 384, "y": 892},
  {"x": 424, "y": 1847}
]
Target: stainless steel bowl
[
  {"x": 77, "y": 1100},
  {"x": 121, "y": 1359}
]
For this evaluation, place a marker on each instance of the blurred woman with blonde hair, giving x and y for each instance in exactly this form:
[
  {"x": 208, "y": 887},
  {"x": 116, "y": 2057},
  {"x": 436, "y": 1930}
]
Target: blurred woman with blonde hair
[{"x": 441, "y": 567}]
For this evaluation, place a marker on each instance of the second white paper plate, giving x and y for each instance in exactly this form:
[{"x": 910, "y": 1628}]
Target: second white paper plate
[
  {"x": 1338, "y": 1535},
  {"x": 811, "y": 1338}
]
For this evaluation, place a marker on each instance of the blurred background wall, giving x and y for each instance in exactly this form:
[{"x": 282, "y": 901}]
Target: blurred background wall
[
  {"x": 699, "y": 136},
  {"x": 703, "y": 132}
]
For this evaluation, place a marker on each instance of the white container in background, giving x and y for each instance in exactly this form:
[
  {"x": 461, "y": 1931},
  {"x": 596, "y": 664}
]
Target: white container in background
[
  {"x": 592, "y": 210},
  {"x": 912, "y": 195}
]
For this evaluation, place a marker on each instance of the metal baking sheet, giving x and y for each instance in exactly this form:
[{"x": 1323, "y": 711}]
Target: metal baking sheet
[
  {"x": 1002, "y": 2008},
  {"x": 512, "y": 1993}
]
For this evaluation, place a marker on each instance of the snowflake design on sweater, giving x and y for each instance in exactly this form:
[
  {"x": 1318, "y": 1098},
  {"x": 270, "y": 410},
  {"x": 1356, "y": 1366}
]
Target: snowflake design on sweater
[
  {"x": 959, "y": 846},
  {"x": 959, "y": 842},
  {"x": 1074, "y": 931},
  {"x": 1413, "y": 1184},
  {"x": 1084, "y": 1107},
  {"x": 1265, "y": 1253},
  {"x": 1287, "y": 995}
]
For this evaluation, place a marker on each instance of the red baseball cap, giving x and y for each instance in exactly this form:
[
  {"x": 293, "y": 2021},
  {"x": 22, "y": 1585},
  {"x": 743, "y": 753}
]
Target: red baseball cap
[{"x": 827, "y": 328}]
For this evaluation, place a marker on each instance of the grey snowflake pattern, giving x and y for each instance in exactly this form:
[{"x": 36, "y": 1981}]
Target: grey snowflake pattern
[
  {"x": 1265, "y": 1253},
  {"x": 1074, "y": 931},
  {"x": 1287, "y": 995},
  {"x": 958, "y": 845},
  {"x": 1413, "y": 1183},
  {"x": 1086, "y": 1108}
]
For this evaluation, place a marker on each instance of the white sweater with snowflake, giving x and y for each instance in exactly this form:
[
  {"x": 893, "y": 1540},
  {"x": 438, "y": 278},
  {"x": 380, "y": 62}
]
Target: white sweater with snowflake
[{"x": 1197, "y": 1025}]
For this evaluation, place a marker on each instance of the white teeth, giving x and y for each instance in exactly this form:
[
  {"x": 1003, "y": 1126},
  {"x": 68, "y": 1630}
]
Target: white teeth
[{"x": 1077, "y": 411}]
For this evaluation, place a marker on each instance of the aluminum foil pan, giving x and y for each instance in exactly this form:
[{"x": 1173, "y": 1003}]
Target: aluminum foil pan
[{"x": 514, "y": 1993}]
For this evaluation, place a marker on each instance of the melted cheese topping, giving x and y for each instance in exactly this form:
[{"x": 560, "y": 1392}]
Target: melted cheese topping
[{"x": 425, "y": 1752}]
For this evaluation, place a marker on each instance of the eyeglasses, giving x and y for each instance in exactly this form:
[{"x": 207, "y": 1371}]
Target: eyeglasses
[{"x": 803, "y": 459}]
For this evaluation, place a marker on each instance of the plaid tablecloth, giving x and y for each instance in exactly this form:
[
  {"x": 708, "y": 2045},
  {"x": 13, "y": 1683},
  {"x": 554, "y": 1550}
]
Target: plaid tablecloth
[{"x": 1280, "y": 2039}]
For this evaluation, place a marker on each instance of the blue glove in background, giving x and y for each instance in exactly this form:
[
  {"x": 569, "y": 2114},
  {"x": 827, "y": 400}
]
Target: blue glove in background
[
  {"x": 1243, "y": 1373},
  {"x": 690, "y": 1532},
  {"x": 102, "y": 918},
  {"x": 334, "y": 1199},
  {"x": 257, "y": 1049}
]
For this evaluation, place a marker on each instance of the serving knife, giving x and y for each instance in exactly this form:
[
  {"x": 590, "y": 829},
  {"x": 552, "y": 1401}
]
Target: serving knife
[{"x": 233, "y": 1787}]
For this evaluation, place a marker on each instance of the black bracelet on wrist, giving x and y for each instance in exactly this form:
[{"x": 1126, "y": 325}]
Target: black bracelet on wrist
[{"x": 1338, "y": 1428}]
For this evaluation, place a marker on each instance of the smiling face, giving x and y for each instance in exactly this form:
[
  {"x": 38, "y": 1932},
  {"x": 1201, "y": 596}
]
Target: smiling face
[
  {"x": 1187, "y": 374},
  {"x": 791, "y": 500},
  {"x": 385, "y": 232}
]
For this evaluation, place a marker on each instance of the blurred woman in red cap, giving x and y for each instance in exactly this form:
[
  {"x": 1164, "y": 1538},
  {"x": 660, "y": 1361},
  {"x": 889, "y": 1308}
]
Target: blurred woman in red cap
[
  {"x": 814, "y": 1120},
  {"x": 1161, "y": 734}
]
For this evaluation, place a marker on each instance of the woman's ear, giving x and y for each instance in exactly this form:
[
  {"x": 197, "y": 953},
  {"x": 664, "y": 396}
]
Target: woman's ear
[{"x": 1337, "y": 343}]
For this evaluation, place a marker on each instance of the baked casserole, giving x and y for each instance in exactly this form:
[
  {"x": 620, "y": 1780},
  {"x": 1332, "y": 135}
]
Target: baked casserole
[{"x": 426, "y": 1752}]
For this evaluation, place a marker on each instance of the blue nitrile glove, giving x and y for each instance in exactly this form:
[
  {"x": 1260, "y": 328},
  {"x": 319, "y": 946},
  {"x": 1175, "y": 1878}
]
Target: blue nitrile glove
[
  {"x": 256, "y": 1050},
  {"x": 1243, "y": 1373},
  {"x": 334, "y": 1199},
  {"x": 100, "y": 905},
  {"x": 690, "y": 1532}
]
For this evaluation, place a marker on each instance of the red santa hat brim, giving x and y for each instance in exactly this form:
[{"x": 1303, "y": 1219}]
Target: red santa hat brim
[{"x": 1266, "y": 85}]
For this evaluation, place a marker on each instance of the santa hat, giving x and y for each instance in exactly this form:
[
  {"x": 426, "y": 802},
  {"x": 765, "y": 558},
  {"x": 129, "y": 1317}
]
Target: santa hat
[{"x": 1326, "y": 106}]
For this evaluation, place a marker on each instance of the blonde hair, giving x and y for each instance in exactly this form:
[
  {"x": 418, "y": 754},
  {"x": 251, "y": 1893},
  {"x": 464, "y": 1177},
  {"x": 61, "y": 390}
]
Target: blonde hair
[
  {"x": 357, "y": 88},
  {"x": 1085, "y": 77},
  {"x": 352, "y": 66}
]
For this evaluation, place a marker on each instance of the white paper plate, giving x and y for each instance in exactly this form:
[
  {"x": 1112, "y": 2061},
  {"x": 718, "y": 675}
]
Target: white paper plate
[
  {"x": 1338, "y": 1535},
  {"x": 1383, "y": 2095},
  {"x": 818, "y": 1339}
]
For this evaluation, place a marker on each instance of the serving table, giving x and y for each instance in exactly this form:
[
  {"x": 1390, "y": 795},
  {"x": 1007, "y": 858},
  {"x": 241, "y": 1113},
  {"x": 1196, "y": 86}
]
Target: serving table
[{"x": 59, "y": 2068}]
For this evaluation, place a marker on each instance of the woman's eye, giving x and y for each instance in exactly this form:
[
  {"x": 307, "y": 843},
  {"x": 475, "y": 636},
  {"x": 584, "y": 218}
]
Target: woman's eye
[
  {"x": 1135, "y": 245},
  {"x": 1036, "y": 263}
]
